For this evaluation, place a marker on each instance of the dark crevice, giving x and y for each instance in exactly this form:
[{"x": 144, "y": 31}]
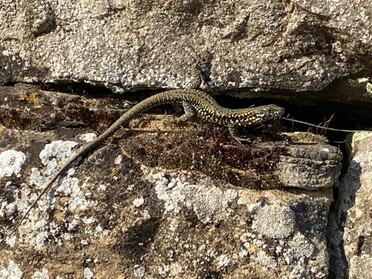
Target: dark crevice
[
  {"x": 79, "y": 88},
  {"x": 306, "y": 106},
  {"x": 9, "y": 83}
]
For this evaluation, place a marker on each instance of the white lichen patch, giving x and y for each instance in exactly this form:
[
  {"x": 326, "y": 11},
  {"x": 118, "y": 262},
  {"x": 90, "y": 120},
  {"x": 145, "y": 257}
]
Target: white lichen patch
[
  {"x": 77, "y": 195},
  {"x": 118, "y": 159},
  {"x": 246, "y": 239},
  {"x": 250, "y": 239},
  {"x": 163, "y": 270},
  {"x": 175, "y": 269},
  {"x": 89, "y": 220},
  {"x": 102, "y": 187},
  {"x": 35, "y": 230},
  {"x": 10, "y": 240},
  {"x": 297, "y": 255},
  {"x": 169, "y": 191},
  {"x": 57, "y": 150},
  {"x": 54, "y": 152},
  {"x": 300, "y": 250},
  {"x": 369, "y": 89},
  {"x": 43, "y": 274},
  {"x": 12, "y": 271},
  {"x": 243, "y": 253},
  {"x": 266, "y": 261},
  {"x": 139, "y": 201},
  {"x": 139, "y": 270},
  {"x": 11, "y": 162},
  {"x": 210, "y": 204},
  {"x": 88, "y": 137},
  {"x": 40, "y": 239},
  {"x": 223, "y": 260},
  {"x": 74, "y": 224},
  {"x": 88, "y": 273},
  {"x": 359, "y": 82},
  {"x": 37, "y": 227},
  {"x": 275, "y": 221},
  {"x": 101, "y": 232}
]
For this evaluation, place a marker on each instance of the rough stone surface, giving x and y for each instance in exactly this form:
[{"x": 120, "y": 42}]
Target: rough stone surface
[
  {"x": 295, "y": 45},
  {"x": 123, "y": 211},
  {"x": 122, "y": 217},
  {"x": 284, "y": 224},
  {"x": 351, "y": 222},
  {"x": 307, "y": 167}
]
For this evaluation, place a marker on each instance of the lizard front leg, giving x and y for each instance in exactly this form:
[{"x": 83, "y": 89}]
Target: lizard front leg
[{"x": 233, "y": 130}]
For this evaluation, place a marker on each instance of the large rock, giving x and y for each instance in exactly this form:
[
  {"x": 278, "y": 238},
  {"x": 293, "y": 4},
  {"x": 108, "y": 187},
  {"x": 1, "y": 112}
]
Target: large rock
[
  {"x": 296, "y": 45},
  {"x": 351, "y": 222},
  {"x": 166, "y": 201},
  {"x": 115, "y": 216}
]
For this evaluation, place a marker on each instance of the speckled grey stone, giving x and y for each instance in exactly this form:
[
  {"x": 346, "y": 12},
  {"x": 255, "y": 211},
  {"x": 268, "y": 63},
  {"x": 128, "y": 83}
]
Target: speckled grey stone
[
  {"x": 131, "y": 219},
  {"x": 350, "y": 229},
  {"x": 275, "y": 221},
  {"x": 298, "y": 45}
]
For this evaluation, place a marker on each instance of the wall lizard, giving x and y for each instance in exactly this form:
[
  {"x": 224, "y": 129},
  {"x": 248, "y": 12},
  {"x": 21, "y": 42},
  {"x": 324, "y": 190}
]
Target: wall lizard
[{"x": 195, "y": 102}]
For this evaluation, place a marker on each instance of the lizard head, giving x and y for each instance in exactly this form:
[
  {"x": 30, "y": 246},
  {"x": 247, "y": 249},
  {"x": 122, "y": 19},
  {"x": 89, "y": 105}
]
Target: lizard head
[{"x": 262, "y": 114}]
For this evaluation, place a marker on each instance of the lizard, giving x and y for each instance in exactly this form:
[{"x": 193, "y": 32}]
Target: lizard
[{"x": 195, "y": 102}]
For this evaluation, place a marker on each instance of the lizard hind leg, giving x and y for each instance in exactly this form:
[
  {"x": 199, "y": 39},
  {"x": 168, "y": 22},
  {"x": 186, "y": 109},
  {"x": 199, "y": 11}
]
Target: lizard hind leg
[{"x": 189, "y": 112}]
